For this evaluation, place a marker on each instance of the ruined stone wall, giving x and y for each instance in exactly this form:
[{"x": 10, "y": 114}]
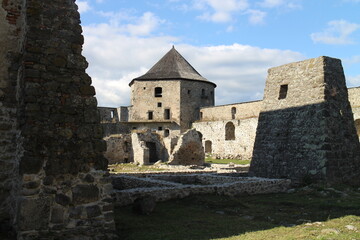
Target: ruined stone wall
[
  {"x": 11, "y": 40},
  {"x": 307, "y": 132},
  {"x": 143, "y": 100},
  {"x": 64, "y": 192},
  {"x": 214, "y": 138},
  {"x": 227, "y": 112},
  {"x": 194, "y": 95},
  {"x": 119, "y": 148}
]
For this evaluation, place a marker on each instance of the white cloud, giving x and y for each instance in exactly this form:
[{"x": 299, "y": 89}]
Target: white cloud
[
  {"x": 354, "y": 80},
  {"x": 287, "y": 4},
  {"x": 220, "y": 10},
  {"x": 256, "y": 16},
  {"x": 83, "y": 6},
  {"x": 271, "y": 3},
  {"x": 238, "y": 70},
  {"x": 337, "y": 32},
  {"x": 145, "y": 25}
]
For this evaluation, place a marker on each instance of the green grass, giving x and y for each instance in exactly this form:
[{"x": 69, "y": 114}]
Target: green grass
[
  {"x": 273, "y": 216},
  {"x": 129, "y": 167},
  {"x": 226, "y": 161}
]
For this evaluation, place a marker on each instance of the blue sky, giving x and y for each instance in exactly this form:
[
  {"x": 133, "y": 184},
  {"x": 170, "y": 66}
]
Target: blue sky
[{"x": 230, "y": 42}]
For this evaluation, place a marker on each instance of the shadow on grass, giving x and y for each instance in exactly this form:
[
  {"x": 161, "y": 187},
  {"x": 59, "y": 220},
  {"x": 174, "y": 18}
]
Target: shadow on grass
[{"x": 205, "y": 217}]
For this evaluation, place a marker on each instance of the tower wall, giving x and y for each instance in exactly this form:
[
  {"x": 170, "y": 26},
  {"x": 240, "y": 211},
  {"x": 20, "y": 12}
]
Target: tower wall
[{"x": 306, "y": 128}]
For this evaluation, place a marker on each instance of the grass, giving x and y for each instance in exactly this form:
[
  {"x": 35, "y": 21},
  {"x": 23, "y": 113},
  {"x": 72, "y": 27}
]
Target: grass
[
  {"x": 129, "y": 167},
  {"x": 311, "y": 213},
  {"x": 209, "y": 159}
]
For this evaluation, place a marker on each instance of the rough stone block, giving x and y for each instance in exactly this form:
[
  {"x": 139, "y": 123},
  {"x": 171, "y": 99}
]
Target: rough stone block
[
  {"x": 85, "y": 194},
  {"x": 34, "y": 213}
]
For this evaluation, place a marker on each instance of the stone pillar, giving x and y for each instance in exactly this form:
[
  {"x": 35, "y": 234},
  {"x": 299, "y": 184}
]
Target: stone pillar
[
  {"x": 56, "y": 136},
  {"x": 306, "y": 129}
]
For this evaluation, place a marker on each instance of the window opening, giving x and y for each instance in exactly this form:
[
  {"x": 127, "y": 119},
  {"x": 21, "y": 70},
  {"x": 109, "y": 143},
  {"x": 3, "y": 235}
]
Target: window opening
[
  {"x": 158, "y": 92},
  {"x": 166, "y": 132},
  {"x": 167, "y": 114},
  {"x": 283, "y": 91},
  {"x": 201, "y": 115},
  {"x": 126, "y": 146},
  {"x": 160, "y": 128},
  {"x": 229, "y": 131},
  {"x": 233, "y": 112},
  {"x": 202, "y": 92},
  {"x": 159, "y": 104},
  {"x": 150, "y": 115},
  {"x": 112, "y": 114}
]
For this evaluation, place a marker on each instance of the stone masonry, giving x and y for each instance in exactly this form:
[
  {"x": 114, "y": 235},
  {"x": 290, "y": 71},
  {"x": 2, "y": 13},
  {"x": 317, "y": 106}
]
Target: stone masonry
[
  {"x": 53, "y": 174},
  {"x": 306, "y": 128}
]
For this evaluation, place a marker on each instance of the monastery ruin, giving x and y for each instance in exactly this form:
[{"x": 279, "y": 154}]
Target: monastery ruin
[{"x": 54, "y": 181}]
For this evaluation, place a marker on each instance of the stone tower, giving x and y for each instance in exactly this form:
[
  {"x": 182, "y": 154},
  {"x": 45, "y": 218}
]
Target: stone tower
[
  {"x": 168, "y": 97},
  {"x": 53, "y": 181},
  {"x": 306, "y": 128}
]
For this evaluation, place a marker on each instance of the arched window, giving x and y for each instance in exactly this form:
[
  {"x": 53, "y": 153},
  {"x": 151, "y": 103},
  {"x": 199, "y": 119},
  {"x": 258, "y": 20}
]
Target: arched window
[
  {"x": 202, "y": 92},
  {"x": 229, "y": 131},
  {"x": 233, "y": 112},
  {"x": 166, "y": 132},
  {"x": 158, "y": 92},
  {"x": 208, "y": 146}
]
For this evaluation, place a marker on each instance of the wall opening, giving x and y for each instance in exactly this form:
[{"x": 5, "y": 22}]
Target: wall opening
[
  {"x": 126, "y": 146},
  {"x": 159, "y": 104},
  {"x": 150, "y": 115},
  {"x": 166, "y": 132},
  {"x": 152, "y": 152},
  {"x": 283, "y": 91},
  {"x": 160, "y": 128},
  {"x": 167, "y": 114},
  {"x": 233, "y": 112},
  {"x": 112, "y": 114},
  {"x": 229, "y": 131},
  {"x": 357, "y": 126},
  {"x": 201, "y": 115},
  {"x": 158, "y": 92},
  {"x": 208, "y": 146}
]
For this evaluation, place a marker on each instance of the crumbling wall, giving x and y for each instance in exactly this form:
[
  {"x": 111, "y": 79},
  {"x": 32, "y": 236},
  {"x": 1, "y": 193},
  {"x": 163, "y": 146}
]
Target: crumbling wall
[
  {"x": 189, "y": 149},
  {"x": 119, "y": 149},
  {"x": 306, "y": 128},
  {"x": 148, "y": 147},
  {"x": 51, "y": 125}
]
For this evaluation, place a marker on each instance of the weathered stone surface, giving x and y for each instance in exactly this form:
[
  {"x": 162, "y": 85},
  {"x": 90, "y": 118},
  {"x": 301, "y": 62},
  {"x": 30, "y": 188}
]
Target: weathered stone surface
[
  {"x": 85, "y": 194},
  {"x": 93, "y": 211},
  {"x": 62, "y": 199},
  {"x": 306, "y": 130},
  {"x": 34, "y": 213},
  {"x": 57, "y": 215},
  {"x": 189, "y": 149}
]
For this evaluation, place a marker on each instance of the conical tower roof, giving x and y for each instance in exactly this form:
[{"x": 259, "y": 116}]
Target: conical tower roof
[{"x": 172, "y": 66}]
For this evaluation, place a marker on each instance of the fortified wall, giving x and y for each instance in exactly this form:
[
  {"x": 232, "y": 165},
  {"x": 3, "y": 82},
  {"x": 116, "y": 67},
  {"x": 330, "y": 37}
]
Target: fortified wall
[
  {"x": 306, "y": 127},
  {"x": 53, "y": 174}
]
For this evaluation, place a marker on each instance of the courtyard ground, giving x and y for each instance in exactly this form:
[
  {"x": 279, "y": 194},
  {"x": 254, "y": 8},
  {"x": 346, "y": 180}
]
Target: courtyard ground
[{"x": 312, "y": 212}]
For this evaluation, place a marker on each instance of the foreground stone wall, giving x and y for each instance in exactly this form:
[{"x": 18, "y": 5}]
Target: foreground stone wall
[
  {"x": 56, "y": 138},
  {"x": 306, "y": 128},
  {"x": 11, "y": 39}
]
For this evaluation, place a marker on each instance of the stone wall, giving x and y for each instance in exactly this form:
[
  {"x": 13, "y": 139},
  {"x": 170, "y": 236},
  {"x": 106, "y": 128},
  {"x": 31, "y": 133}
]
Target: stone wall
[
  {"x": 55, "y": 135},
  {"x": 119, "y": 149},
  {"x": 227, "y": 112},
  {"x": 306, "y": 128},
  {"x": 194, "y": 95},
  {"x": 11, "y": 39},
  {"x": 214, "y": 142}
]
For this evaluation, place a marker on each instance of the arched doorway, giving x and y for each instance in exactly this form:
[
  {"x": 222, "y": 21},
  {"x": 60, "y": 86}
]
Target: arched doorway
[
  {"x": 229, "y": 131},
  {"x": 208, "y": 146}
]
